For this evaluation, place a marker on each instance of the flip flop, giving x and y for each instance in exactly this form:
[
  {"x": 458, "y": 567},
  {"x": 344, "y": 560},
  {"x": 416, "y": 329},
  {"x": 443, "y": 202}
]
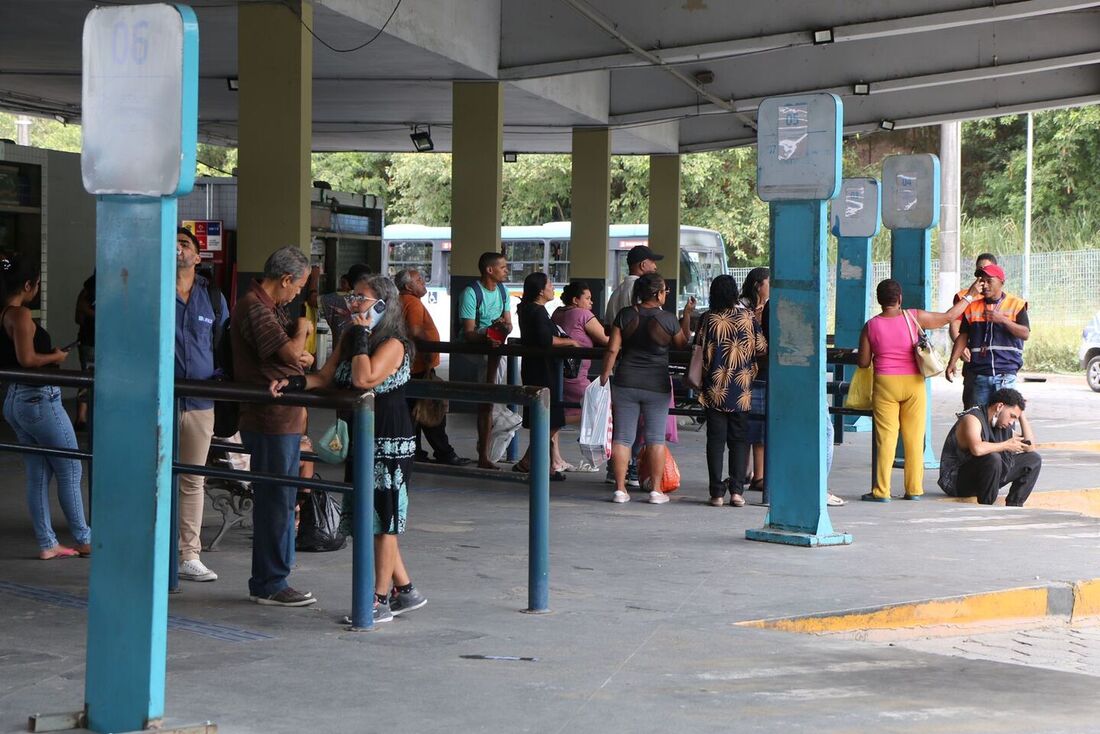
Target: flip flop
[{"x": 58, "y": 551}]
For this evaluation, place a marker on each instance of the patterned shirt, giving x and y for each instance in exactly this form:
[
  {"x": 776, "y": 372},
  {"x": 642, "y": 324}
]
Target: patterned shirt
[{"x": 732, "y": 341}]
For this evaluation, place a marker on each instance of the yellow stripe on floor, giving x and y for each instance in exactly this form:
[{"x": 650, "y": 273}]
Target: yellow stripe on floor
[
  {"x": 1081, "y": 501},
  {"x": 1086, "y": 599}
]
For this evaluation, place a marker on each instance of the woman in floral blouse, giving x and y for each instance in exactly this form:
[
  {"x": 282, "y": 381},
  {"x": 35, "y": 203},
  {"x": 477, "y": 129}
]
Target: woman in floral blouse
[{"x": 732, "y": 341}]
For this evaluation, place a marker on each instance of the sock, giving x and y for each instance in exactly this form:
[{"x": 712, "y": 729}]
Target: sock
[
  {"x": 382, "y": 598},
  {"x": 404, "y": 589}
]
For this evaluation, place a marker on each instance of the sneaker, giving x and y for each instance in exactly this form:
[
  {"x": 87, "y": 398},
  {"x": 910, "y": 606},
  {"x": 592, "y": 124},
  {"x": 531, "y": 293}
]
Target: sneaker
[
  {"x": 194, "y": 570},
  {"x": 833, "y": 501},
  {"x": 382, "y": 611},
  {"x": 716, "y": 501},
  {"x": 287, "y": 597},
  {"x": 657, "y": 498},
  {"x": 620, "y": 497},
  {"x": 401, "y": 602},
  {"x": 632, "y": 477}
]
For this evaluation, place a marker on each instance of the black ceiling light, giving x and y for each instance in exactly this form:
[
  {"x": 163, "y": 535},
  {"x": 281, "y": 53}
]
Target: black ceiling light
[
  {"x": 886, "y": 125},
  {"x": 422, "y": 138},
  {"x": 233, "y": 83},
  {"x": 511, "y": 156}
]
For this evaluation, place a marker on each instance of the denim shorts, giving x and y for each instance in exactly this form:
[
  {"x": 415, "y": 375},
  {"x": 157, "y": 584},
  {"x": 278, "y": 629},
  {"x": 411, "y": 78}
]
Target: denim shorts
[{"x": 630, "y": 403}]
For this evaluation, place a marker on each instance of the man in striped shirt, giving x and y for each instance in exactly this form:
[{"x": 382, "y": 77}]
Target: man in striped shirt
[{"x": 268, "y": 346}]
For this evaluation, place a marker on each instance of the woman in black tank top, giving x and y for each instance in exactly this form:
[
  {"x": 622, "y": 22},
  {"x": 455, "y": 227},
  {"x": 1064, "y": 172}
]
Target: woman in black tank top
[{"x": 36, "y": 415}]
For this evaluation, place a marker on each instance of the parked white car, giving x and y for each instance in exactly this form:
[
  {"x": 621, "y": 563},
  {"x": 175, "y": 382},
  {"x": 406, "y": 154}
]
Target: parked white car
[{"x": 1089, "y": 354}]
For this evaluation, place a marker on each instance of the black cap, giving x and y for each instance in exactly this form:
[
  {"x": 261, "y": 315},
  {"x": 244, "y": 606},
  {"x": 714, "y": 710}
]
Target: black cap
[{"x": 639, "y": 253}]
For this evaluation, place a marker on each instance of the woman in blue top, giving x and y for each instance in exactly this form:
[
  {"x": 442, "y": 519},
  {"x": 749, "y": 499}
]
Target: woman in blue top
[{"x": 35, "y": 412}]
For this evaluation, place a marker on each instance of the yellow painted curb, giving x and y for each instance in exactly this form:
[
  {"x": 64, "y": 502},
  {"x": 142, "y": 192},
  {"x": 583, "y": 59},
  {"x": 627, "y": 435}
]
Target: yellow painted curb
[
  {"x": 1080, "y": 600},
  {"x": 1068, "y": 446},
  {"x": 1086, "y": 599},
  {"x": 1081, "y": 501}
]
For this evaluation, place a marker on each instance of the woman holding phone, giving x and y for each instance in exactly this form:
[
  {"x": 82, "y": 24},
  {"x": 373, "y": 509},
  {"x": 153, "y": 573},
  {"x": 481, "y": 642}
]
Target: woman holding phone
[{"x": 35, "y": 412}]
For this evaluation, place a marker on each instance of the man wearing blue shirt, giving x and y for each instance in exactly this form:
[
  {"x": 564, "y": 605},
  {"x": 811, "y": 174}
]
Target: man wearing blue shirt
[{"x": 196, "y": 318}]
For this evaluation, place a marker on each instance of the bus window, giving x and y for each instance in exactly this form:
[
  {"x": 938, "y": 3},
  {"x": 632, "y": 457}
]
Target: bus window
[
  {"x": 691, "y": 282},
  {"x": 524, "y": 257},
  {"x": 559, "y": 261},
  {"x": 403, "y": 254},
  {"x": 444, "y": 270}
]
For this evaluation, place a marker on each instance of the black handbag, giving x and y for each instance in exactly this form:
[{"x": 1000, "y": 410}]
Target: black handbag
[{"x": 570, "y": 366}]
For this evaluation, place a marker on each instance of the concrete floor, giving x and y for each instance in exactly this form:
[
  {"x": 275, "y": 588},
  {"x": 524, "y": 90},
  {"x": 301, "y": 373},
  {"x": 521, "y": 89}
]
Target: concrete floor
[{"x": 643, "y": 598}]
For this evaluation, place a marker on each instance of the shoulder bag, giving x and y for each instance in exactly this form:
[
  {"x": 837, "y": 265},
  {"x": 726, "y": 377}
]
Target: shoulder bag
[{"x": 929, "y": 361}]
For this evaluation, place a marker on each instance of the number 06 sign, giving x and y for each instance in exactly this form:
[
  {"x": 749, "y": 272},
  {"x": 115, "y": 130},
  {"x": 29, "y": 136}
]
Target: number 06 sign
[{"x": 139, "y": 98}]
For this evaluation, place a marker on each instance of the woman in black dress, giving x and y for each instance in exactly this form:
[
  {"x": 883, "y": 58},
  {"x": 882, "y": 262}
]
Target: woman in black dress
[
  {"x": 537, "y": 330},
  {"x": 374, "y": 354}
]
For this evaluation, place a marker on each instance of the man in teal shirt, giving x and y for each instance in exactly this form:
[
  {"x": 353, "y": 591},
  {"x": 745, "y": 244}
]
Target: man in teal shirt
[{"x": 486, "y": 319}]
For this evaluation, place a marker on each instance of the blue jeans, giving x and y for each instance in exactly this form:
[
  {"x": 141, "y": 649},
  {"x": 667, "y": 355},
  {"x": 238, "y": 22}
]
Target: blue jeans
[
  {"x": 272, "y": 510},
  {"x": 36, "y": 414},
  {"x": 986, "y": 385}
]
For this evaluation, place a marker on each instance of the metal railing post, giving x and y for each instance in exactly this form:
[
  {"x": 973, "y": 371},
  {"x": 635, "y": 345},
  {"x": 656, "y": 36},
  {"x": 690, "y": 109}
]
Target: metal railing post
[
  {"x": 362, "y": 558},
  {"x": 174, "y": 531},
  {"x": 538, "y": 563},
  {"x": 513, "y": 379}
]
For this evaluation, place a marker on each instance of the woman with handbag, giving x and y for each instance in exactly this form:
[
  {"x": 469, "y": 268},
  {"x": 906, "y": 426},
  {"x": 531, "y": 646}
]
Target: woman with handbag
[
  {"x": 537, "y": 330},
  {"x": 728, "y": 342},
  {"x": 576, "y": 319},
  {"x": 643, "y": 333},
  {"x": 891, "y": 341},
  {"x": 375, "y": 354}
]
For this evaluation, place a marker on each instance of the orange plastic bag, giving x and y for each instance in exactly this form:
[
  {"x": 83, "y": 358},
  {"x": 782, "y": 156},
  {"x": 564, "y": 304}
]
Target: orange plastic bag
[{"x": 671, "y": 480}]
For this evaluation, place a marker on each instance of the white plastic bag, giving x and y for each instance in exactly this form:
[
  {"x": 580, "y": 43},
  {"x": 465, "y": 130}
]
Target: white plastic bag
[
  {"x": 504, "y": 425},
  {"x": 595, "y": 432}
]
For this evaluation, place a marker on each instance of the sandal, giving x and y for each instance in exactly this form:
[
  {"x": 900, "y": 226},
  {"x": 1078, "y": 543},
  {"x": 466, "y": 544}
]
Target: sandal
[
  {"x": 565, "y": 466},
  {"x": 58, "y": 551},
  {"x": 756, "y": 485}
]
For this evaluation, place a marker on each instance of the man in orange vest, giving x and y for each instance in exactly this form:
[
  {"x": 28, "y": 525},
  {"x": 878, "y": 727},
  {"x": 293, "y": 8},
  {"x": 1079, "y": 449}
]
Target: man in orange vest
[
  {"x": 985, "y": 258},
  {"x": 994, "y": 329}
]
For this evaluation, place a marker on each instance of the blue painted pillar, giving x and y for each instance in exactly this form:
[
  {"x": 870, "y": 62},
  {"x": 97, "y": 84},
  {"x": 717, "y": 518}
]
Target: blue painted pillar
[
  {"x": 132, "y": 476},
  {"x": 538, "y": 563},
  {"x": 140, "y": 89},
  {"x": 795, "y": 456},
  {"x": 853, "y": 298},
  {"x": 911, "y": 265}
]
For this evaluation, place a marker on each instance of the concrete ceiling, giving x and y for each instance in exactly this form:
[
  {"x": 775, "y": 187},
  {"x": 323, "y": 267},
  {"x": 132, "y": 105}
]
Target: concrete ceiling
[{"x": 628, "y": 64}]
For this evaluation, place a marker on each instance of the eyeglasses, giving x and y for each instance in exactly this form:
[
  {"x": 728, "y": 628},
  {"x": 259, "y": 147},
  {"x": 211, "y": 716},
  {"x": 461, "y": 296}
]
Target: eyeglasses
[{"x": 357, "y": 298}]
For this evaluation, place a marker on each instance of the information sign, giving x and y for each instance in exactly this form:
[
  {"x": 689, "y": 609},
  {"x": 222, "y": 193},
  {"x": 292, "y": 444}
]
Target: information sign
[
  {"x": 911, "y": 191},
  {"x": 855, "y": 213},
  {"x": 798, "y": 147}
]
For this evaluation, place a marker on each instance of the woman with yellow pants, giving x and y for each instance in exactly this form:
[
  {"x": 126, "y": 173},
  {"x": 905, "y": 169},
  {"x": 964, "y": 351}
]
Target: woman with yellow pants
[{"x": 899, "y": 397}]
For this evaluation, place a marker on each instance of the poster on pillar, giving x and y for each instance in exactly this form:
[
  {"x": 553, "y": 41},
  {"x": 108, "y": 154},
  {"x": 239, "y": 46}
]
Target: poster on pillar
[
  {"x": 855, "y": 213},
  {"x": 911, "y": 191},
  {"x": 798, "y": 144},
  {"x": 140, "y": 65}
]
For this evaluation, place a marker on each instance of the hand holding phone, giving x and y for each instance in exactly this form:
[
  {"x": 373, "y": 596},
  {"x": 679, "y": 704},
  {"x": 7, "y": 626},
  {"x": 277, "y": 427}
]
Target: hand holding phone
[{"x": 68, "y": 347}]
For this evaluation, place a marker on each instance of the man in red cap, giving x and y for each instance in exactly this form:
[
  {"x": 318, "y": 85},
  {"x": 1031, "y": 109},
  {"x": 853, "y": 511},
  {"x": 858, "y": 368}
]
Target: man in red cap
[
  {"x": 985, "y": 258},
  {"x": 994, "y": 329}
]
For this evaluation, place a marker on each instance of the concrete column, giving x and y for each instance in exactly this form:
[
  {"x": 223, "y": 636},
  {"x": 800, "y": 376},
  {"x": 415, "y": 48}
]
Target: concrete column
[
  {"x": 664, "y": 218},
  {"x": 275, "y": 68},
  {"x": 476, "y": 168},
  {"x": 591, "y": 202},
  {"x": 950, "y": 188}
]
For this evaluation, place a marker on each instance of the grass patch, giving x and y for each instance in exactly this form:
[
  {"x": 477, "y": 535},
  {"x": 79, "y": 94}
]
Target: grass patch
[{"x": 1052, "y": 349}]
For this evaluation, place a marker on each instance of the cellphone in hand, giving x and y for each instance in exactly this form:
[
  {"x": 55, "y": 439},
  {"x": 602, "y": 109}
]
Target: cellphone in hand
[
  {"x": 1025, "y": 441},
  {"x": 68, "y": 347}
]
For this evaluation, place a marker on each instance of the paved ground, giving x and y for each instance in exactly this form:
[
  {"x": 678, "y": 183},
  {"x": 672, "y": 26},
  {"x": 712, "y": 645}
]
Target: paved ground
[{"x": 640, "y": 638}]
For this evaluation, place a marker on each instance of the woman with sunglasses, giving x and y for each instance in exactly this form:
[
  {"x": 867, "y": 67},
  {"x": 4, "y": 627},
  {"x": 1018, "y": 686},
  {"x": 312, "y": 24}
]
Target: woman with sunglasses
[
  {"x": 641, "y": 336},
  {"x": 374, "y": 353}
]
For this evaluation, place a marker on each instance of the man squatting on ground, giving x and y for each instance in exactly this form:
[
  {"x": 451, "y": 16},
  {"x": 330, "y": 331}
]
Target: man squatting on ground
[
  {"x": 196, "y": 317},
  {"x": 264, "y": 350},
  {"x": 982, "y": 453}
]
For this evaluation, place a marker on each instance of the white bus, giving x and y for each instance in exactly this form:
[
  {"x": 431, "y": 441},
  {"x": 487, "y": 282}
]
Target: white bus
[{"x": 546, "y": 248}]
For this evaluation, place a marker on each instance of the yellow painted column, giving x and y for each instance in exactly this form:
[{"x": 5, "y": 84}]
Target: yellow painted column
[
  {"x": 477, "y": 156},
  {"x": 275, "y": 68},
  {"x": 664, "y": 213},
  {"x": 591, "y": 201}
]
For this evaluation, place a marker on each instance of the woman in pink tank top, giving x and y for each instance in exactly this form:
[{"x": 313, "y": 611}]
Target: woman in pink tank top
[{"x": 899, "y": 399}]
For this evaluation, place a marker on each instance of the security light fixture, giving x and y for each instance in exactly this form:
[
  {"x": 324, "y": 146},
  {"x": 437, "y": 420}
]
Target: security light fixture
[
  {"x": 233, "y": 83},
  {"x": 886, "y": 125},
  {"x": 861, "y": 88},
  {"x": 823, "y": 36},
  {"x": 422, "y": 138},
  {"x": 510, "y": 156},
  {"x": 704, "y": 77},
  {"x": 62, "y": 119}
]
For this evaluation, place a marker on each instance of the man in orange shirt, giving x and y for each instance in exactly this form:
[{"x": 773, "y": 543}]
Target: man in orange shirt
[{"x": 421, "y": 326}]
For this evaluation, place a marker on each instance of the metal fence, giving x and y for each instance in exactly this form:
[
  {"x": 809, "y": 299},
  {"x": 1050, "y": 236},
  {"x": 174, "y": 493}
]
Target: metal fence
[{"x": 1065, "y": 286}]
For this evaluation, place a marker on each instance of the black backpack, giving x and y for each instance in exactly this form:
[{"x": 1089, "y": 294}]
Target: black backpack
[{"x": 227, "y": 414}]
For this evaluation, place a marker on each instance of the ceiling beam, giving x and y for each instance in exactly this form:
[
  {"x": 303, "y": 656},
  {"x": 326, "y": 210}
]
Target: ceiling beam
[
  {"x": 854, "y": 32},
  {"x": 889, "y": 86}
]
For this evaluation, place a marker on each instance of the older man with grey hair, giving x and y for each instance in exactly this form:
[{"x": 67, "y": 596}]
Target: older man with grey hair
[
  {"x": 268, "y": 345},
  {"x": 421, "y": 327}
]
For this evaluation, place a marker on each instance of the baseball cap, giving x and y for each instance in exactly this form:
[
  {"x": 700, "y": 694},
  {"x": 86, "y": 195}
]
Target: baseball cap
[
  {"x": 639, "y": 253},
  {"x": 993, "y": 271}
]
